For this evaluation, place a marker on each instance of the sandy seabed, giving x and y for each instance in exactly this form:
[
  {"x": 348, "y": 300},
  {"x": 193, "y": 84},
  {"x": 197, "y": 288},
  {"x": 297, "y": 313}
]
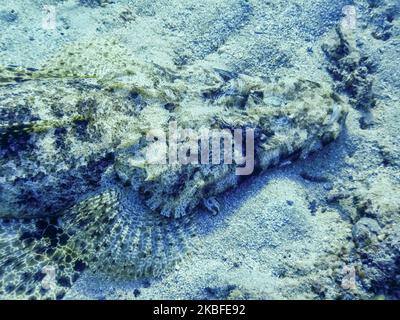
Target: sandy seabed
[{"x": 324, "y": 227}]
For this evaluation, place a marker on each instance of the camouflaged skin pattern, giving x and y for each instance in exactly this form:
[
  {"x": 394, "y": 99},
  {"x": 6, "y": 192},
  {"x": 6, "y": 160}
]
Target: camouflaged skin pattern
[
  {"x": 72, "y": 140},
  {"x": 42, "y": 258}
]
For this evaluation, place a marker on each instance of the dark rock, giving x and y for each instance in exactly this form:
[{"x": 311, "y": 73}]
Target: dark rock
[
  {"x": 313, "y": 177},
  {"x": 375, "y": 3},
  {"x": 381, "y": 34},
  {"x": 328, "y": 186},
  {"x": 365, "y": 231},
  {"x": 381, "y": 266},
  {"x": 146, "y": 283},
  {"x": 8, "y": 16},
  {"x": 313, "y": 207},
  {"x": 136, "y": 293},
  {"x": 366, "y": 121},
  {"x": 91, "y": 3},
  {"x": 220, "y": 292}
]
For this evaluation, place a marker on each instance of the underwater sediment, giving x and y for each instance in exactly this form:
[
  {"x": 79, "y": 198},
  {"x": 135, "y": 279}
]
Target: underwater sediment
[{"x": 78, "y": 195}]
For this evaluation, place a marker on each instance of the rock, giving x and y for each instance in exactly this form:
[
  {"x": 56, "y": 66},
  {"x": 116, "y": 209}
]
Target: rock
[
  {"x": 365, "y": 231},
  {"x": 220, "y": 292},
  {"x": 375, "y": 3},
  {"x": 381, "y": 267},
  {"x": 366, "y": 121},
  {"x": 351, "y": 69},
  {"x": 328, "y": 186},
  {"x": 212, "y": 205},
  {"x": 8, "y": 16},
  {"x": 136, "y": 293},
  {"x": 94, "y": 3},
  {"x": 313, "y": 207}
]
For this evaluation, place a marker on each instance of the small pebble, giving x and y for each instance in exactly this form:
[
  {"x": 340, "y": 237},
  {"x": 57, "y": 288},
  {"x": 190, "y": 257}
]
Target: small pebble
[
  {"x": 136, "y": 293},
  {"x": 328, "y": 186},
  {"x": 146, "y": 284},
  {"x": 313, "y": 207},
  {"x": 8, "y": 16}
]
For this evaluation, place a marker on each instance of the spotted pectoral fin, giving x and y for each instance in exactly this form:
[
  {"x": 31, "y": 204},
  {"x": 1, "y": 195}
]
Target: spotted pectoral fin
[
  {"x": 43, "y": 258},
  {"x": 123, "y": 241},
  {"x": 35, "y": 260}
]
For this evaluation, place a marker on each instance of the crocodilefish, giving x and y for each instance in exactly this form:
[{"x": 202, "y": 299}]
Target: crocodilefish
[{"x": 77, "y": 192}]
